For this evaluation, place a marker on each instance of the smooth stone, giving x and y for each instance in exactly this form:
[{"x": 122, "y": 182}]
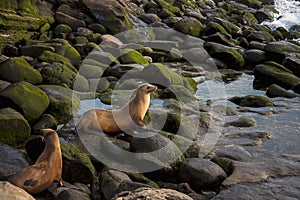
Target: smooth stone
[
  {"x": 254, "y": 56},
  {"x": 45, "y": 121},
  {"x": 99, "y": 85},
  {"x": 150, "y": 193},
  {"x": 277, "y": 91},
  {"x": 4, "y": 84},
  {"x": 233, "y": 152},
  {"x": 249, "y": 138},
  {"x": 292, "y": 63},
  {"x": 241, "y": 122},
  {"x": 73, "y": 194},
  {"x": 263, "y": 168},
  {"x": 74, "y": 23},
  {"x": 97, "y": 28},
  {"x": 261, "y": 36},
  {"x": 66, "y": 8},
  {"x": 189, "y": 25},
  {"x": 110, "y": 181},
  {"x": 11, "y": 161},
  {"x": 10, "y": 192},
  {"x": 252, "y": 101},
  {"x": 272, "y": 188},
  {"x": 62, "y": 28},
  {"x": 200, "y": 173},
  {"x": 149, "y": 18}
]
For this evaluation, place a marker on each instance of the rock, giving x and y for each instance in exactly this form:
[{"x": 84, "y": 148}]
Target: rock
[
  {"x": 77, "y": 167},
  {"x": 130, "y": 56},
  {"x": 200, "y": 173},
  {"x": 261, "y": 36},
  {"x": 249, "y": 138},
  {"x": 277, "y": 91},
  {"x": 229, "y": 55},
  {"x": 10, "y": 192},
  {"x": 254, "y": 56},
  {"x": 62, "y": 102},
  {"x": 62, "y": 29},
  {"x": 161, "y": 45},
  {"x": 130, "y": 186},
  {"x": 263, "y": 14},
  {"x": 150, "y": 193},
  {"x": 221, "y": 38},
  {"x": 51, "y": 57},
  {"x": 67, "y": 8},
  {"x": 111, "y": 14},
  {"x": 260, "y": 170},
  {"x": 241, "y": 122},
  {"x": 30, "y": 99},
  {"x": 45, "y": 121},
  {"x": 73, "y": 194},
  {"x": 273, "y": 188},
  {"x": 292, "y": 63},
  {"x": 110, "y": 40},
  {"x": 99, "y": 85},
  {"x": 35, "y": 50},
  {"x": 74, "y": 23},
  {"x": 110, "y": 181},
  {"x": 11, "y": 160},
  {"x": 190, "y": 26},
  {"x": 230, "y": 27},
  {"x": 4, "y": 84},
  {"x": 278, "y": 50},
  {"x": 17, "y": 69},
  {"x": 104, "y": 58},
  {"x": 252, "y": 101},
  {"x": 179, "y": 93},
  {"x": 97, "y": 28},
  {"x": 274, "y": 73},
  {"x": 162, "y": 75},
  {"x": 90, "y": 71},
  {"x": 168, "y": 7},
  {"x": 68, "y": 51},
  {"x": 149, "y": 18},
  {"x": 251, "y": 3},
  {"x": 60, "y": 74},
  {"x": 247, "y": 18},
  {"x": 142, "y": 179},
  {"x": 212, "y": 28},
  {"x": 233, "y": 152}
]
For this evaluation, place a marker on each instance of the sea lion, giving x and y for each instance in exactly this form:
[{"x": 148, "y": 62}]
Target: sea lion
[
  {"x": 47, "y": 169},
  {"x": 113, "y": 122}
]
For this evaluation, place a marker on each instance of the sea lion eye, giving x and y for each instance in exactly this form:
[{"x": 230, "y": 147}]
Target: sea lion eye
[{"x": 148, "y": 87}]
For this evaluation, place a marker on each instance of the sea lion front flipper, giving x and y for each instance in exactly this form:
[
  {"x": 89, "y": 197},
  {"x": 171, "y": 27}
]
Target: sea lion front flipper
[{"x": 137, "y": 119}]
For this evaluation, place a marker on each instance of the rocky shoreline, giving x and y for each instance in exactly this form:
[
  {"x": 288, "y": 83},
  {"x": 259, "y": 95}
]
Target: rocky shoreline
[{"x": 51, "y": 60}]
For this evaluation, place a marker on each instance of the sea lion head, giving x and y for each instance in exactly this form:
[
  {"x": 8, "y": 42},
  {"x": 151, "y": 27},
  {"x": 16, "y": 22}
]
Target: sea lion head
[
  {"x": 146, "y": 88},
  {"x": 47, "y": 132}
]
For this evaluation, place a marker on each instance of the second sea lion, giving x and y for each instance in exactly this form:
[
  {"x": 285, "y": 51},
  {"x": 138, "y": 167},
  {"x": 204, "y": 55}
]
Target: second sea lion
[{"x": 113, "y": 122}]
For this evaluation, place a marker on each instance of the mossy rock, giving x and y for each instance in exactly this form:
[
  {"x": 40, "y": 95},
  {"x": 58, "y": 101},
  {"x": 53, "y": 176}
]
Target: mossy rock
[
  {"x": 251, "y": 3},
  {"x": 190, "y": 26},
  {"x": 142, "y": 179},
  {"x": 252, "y": 101},
  {"x": 241, "y": 122},
  {"x": 261, "y": 36},
  {"x": 17, "y": 69},
  {"x": 77, "y": 166},
  {"x": 225, "y": 164},
  {"x": 212, "y": 28},
  {"x": 167, "y": 5},
  {"x": 277, "y": 91},
  {"x": 274, "y": 73},
  {"x": 60, "y": 74},
  {"x": 63, "y": 102},
  {"x": 62, "y": 28},
  {"x": 35, "y": 50},
  {"x": 229, "y": 55},
  {"x": 14, "y": 127},
  {"x": 129, "y": 56},
  {"x": 68, "y": 51},
  {"x": 178, "y": 92},
  {"x": 51, "y": 57},
  {"x": 31, "y": 100},
  {"x": 230, "y": 27},
  {"x": 105, "y": 58},
  {"x": 90, "y": 71},
  {"x": 162, "y": 75},
  {"x": 278, "y": 50},
  {"x": 45, "y": 121},
  {"x": 247, "y": 18}
]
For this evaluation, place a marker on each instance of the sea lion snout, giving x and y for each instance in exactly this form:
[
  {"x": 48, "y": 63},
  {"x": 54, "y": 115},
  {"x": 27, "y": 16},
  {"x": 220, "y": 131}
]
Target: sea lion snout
[{"x": 148, "y": 88}]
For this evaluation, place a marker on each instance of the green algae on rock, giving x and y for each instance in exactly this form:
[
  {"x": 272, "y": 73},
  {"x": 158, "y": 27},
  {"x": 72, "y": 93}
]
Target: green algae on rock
[
  {"x": 252, "y": 101},
  {"x": 14, "y": 127},
  {"x": 17, "y": 69},
  {"x": 30, "y": 99}
]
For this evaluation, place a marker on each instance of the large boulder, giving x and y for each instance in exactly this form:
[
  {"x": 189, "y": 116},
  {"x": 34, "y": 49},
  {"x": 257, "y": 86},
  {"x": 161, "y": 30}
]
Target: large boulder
[
  {"x": 151, "y": 193},
  {"x": 274, "y": 73},
  {"x": 252, "y": 101},
  {"x": 9, "y": 191},
  {"x": 17, "y": 69},
  {"x": 31, "y": 100},
  {"x": 277, "y": 91},
  {"x": 14, "y": 128},
  {"x": 200, "y": 173},
  {"x": 278, "y": 50},
  {"x": 229, "y": 55},
  {"x": 190, "y": 26},
  {"x": 11, "y": 161},
  {"x": 110, "y": 13}
]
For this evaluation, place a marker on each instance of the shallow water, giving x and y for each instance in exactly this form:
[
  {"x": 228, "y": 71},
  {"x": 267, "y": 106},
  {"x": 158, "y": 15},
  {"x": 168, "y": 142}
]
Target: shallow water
[
  {"x": 289, "y": 14},
  {"x": 283, "y": 126}
]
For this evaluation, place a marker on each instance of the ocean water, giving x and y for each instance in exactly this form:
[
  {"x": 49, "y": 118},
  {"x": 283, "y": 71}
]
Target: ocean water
[{"x": 288, "y": 16}]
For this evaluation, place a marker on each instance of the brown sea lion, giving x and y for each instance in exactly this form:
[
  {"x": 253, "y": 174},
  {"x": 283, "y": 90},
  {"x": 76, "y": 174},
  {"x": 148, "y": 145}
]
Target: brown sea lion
[
  {"x": 113, "y": 122},
  {"x": 47, "y": 169}
]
